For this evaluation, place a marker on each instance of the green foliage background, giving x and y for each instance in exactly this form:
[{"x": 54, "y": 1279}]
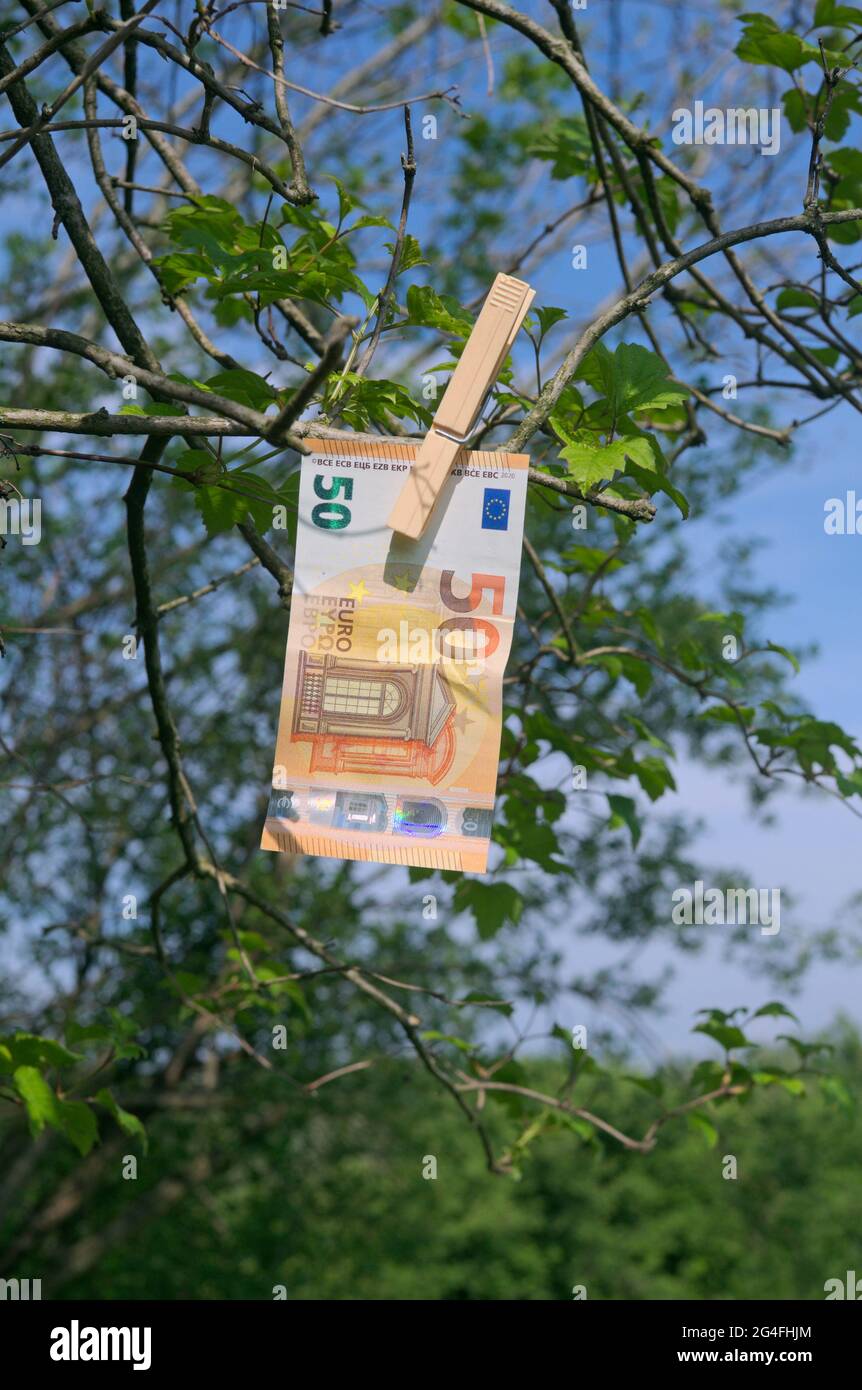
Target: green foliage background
[{"x": 328, "y": 1200}]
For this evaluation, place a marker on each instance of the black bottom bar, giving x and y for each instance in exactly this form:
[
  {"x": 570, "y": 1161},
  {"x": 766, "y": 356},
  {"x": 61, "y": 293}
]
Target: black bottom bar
[{"x": 224, "y": 1338}]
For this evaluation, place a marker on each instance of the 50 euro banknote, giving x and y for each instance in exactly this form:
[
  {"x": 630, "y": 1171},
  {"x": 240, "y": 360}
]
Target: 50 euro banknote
[{"x": 391, "y": 708}]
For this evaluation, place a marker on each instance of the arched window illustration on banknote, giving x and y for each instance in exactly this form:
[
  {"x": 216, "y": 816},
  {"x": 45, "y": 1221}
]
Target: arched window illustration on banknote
[{"x": 360, "y": 717}]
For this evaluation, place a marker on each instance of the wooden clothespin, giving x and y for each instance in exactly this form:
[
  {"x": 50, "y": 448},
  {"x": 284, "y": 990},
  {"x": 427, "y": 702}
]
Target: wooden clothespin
[{"x": 484, "y": 353}]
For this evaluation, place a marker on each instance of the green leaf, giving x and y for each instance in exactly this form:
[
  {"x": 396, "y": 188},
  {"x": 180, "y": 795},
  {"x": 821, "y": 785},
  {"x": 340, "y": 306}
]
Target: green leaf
[
  {"x": 500, "y": 1005},
  {"x": 803, "y": 1049},
  {"x": 654, "y": 776},
  {"x": 775, "y": 1009},
  {"x": 654, "y": 1085},
  {"x": 639, "y": 673},
  {"x": 129, "y": 1124},
  {"x": 647, "y": 735},
  {"x": 707, "y": 1076},
  {"x": 431, "y": 310},
  {"x": 434, "y": 1036},
  {"x": 796, "y": 299},
  {"x": 180, "y": 269},
  {"x": 39, "y": 1100},
  {"x": 641, "y": 381},
  {"x": 292, "y": 990},
  {"x": 492, "y": 904},
  {"x": 765, "y": 44},
  {"x": 587, "y": 559},
  {"x": 723, "y": 714},
  {"x": 31, "y": 1050},
  {"x": 788, "y": 655},
  {"x": 835, "y": 1089},
  {"x": 78, "y": 1123},
  {"x": 512, "y": 1074},
  {"x": 653, "y": 482},
  {"x": 632, "y": 379},
  {"x": 346, "y": 200},
  {"x": 828, "y": 14},
  {"x": 251, "y": 940},
  {"x": 722, "y": 1015},
  {"x": 221, "y": 508},
  {"x": 827, "y": 355},
  {"x": 732, "y": 620},
  {"x": 846, "y": 233},
  {"x": 701, "y": 1125},
  {"x": 775, "y": 1077},
  {"x": 847, "y": 163},
  {"x": 74, "y": 1118},
  {"x": 566, "y": 145},
  {"x": 369, "y": 219},
  {"x": 624, "y": 812},
  {"x": 371, "y": 401},
  {"x": 154, "y": 408},
  {"x": 87, "y": 1032},
  {"x": 201, "y": 464},
  {"x": 669, "y": 201},
  {"x": 411, "y": 254},
  {"x": 691, "y": 654},
  {"x": 850, "y": 785},
  {"x": 548, "y": 317},
  {"x": 793, "y": 1084},
  {"x": 812, "y": 741},
  {"x": 575, "y": 1123},
  {"x": 795, "y": 109},
  {"x": 246, "y": 388},
  {"x": 591, "y": 463},
  {"x": 727, "y": 1035}
]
